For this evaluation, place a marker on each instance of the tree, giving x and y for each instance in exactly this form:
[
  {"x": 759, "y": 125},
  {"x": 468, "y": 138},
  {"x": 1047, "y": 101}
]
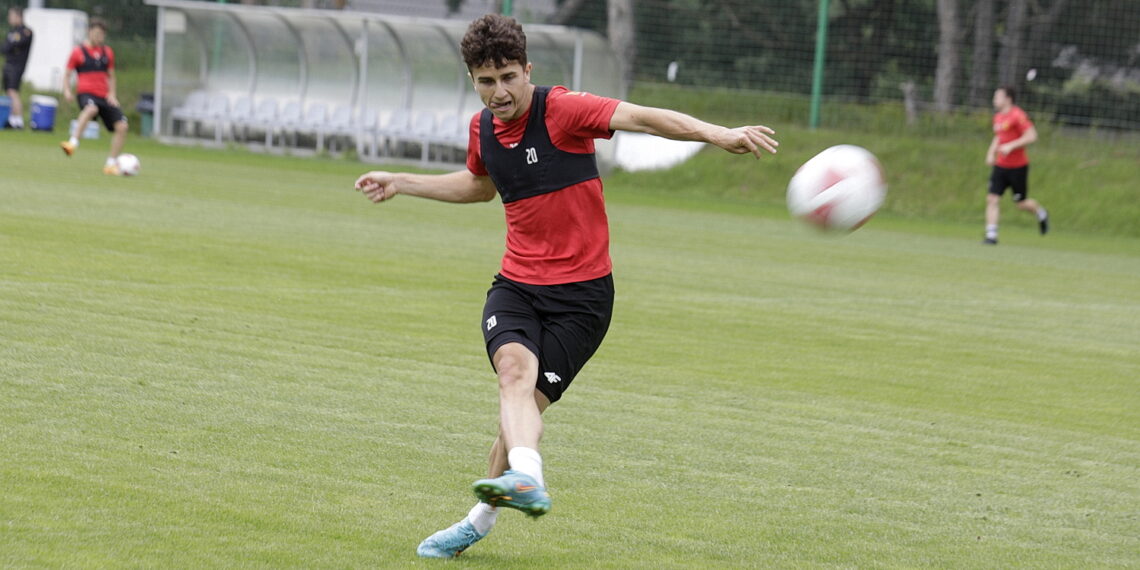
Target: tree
[
  {"x": 947, "y": 71},
  {"x": 983, "y": 54},
  {"x": 623, "y": 36}
]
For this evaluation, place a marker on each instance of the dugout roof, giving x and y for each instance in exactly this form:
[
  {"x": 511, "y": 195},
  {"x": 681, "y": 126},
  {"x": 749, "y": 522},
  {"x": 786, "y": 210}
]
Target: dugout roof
[{"x": 368, "y": 61}]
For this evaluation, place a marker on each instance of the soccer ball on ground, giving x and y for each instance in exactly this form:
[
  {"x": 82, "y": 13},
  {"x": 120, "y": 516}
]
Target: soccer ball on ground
[
  {"x": 838, "y": 189},
  {"x": 129, "y": 165}
]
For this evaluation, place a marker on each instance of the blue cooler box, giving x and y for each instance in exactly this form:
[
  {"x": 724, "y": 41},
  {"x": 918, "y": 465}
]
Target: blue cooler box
[
  {"x": 5, "y": 110},
  {"x": 43, "y": 113}
]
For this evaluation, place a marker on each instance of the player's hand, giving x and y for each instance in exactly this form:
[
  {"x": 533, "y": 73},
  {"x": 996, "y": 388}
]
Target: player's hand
[
  {"x": 991, "y": 158},
  {"x": 742, "y": 140},
  {"x": 377, "y": 185},
  {"x": 1004, "y": 149},
  {"x": 113, "y": 100},
  {"x": 68, "y": 96}
]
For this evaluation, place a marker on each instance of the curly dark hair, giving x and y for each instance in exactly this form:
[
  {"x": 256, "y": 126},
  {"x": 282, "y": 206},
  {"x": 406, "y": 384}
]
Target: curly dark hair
[
  {"x": 1010, "y": 91},
  {"x": 494, "y": 39},
  {"x": 97, "y": 23}
]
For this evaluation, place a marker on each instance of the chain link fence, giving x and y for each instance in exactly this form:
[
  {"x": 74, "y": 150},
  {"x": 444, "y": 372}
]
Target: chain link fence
[{"x": 1077, "y": 61}]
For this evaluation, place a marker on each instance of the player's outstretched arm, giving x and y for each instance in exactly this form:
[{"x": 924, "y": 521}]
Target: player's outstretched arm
[
  {"x": 678, "y": 126},
  {"x": 460, "y": 187}
]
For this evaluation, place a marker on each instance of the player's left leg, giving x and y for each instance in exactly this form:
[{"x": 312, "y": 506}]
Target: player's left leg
[
  {"x": 523, "y": 486},
  {"x": 118, "y": 139},
  {"x": 453, "y": 540},
  {"x": 1020, "y": 185},
  {"x": 16, "y": 117}
]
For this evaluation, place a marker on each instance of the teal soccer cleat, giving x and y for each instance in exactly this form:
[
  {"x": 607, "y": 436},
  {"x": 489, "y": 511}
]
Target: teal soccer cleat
[
  {"x": 449, "y": 542},
  {"x": 514, "y": 490}
]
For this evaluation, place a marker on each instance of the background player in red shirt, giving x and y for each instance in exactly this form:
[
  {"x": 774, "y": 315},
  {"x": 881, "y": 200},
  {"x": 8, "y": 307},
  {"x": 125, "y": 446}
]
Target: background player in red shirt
[
  {"x": 549, "y": 308},
  {"x": 94, "y": 65},
  {"x": 1013, "y": 131}
]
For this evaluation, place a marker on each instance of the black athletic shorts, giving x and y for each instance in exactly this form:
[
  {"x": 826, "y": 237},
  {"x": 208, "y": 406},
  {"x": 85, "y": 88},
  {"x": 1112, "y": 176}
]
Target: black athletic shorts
[
  {"x": 1016, "y": 179},
  {"x": 12, "y": 77},
  {"x": 108, "y": 112},
  {"x": 561, "y": 324}
]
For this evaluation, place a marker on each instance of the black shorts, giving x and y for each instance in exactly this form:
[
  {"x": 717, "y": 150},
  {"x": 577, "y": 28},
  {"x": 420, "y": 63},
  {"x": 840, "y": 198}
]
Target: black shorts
[
  {"x": 12, "y": 77},
  {"x": 561, "y": 324},
  {"x": 1016, "y": 179},
  {"x": 108, "y": 112}
]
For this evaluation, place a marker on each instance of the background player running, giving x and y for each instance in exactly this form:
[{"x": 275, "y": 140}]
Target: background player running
[{"x": 1013, "y": 131}]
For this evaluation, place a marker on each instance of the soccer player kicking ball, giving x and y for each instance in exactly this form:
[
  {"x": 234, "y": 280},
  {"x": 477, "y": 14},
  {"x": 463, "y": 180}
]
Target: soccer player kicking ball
[
  {"x": 94, "y": 65},
  {"x": 549, "y": 307},
  {"x": 1013, "y": 131}
]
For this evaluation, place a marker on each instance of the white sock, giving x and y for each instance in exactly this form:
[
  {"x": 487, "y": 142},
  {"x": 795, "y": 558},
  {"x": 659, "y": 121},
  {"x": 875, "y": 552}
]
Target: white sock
[
  {"x": 1042, "y": 214},
  {"x": 74, "y": 141},
  {"x": 110, "y": 161},
  {"x": 526, "y": 460},
  {"x": 16, "y": 122},
  {"x": 482, "y": 517},
  {"x": 991, "y": 231}
]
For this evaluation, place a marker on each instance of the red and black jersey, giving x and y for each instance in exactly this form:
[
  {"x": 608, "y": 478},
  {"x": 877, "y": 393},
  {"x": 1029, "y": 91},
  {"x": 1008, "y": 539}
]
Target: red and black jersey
[
  {"x": 92, "y": 65},
  {"x": 544, "y": 170}
]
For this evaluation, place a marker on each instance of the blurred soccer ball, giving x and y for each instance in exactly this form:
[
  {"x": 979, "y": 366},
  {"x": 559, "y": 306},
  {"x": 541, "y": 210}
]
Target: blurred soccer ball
[
  {"x": 838, "y": 189},
  {"x": 129, "y": 165}
]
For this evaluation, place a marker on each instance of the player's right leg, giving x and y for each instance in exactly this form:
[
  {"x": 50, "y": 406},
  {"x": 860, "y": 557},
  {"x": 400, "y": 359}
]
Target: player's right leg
[
  {"x": 16, "y": 117},
  {"x": 998, "y": 184},
  {"x": 453, "y": 540},
  {"x": 90, "y": 109}
]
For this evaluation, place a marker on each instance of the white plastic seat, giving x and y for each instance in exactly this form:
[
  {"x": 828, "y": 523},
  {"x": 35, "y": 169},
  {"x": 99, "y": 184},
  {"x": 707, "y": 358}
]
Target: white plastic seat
[
  {"x": 365, "y": 131},
  {"x": 190, "y": 111},
  {"x": 422, "y": 132},
  {"x": 240, "y": 115},
  {"x": 340, "y": 123},
  {"x": 316, "y": 121},
  {"x": 217, "y": 112},
  {"x": 289, "y": 120}
]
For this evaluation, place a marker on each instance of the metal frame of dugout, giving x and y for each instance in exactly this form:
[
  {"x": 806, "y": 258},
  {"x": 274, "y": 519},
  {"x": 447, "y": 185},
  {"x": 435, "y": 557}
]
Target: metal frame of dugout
[{"x": 292, "y": 80}]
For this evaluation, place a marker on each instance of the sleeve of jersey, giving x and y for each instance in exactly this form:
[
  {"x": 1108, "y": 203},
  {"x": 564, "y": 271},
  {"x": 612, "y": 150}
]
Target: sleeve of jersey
[
  {"x": 110, "y": 58},
  {"x": 583, "y": 114},
  {"x": 474, "y": 159},
  {"x": 1024, "y": 123}
]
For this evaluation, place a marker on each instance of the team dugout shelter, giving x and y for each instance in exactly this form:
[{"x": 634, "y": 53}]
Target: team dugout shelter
[{"x": 296, "y": 80}]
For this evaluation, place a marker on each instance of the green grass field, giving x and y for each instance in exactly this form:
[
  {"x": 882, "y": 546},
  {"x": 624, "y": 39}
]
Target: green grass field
[{"x": 236, "y": 361}]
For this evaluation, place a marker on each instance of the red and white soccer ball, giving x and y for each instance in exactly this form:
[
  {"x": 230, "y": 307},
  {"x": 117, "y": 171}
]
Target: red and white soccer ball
[
  {"x": 838, "y": 189},
  {"x": 129, "y": 165}
]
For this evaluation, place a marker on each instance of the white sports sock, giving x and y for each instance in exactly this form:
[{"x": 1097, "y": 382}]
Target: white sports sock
[
  {"x": 74, "y": 141},
  {"x": 1042, "y": 214},
  {"x": 16, "y": 122},
  {"x": 991, "y": 231},
  {"x": 482, "y": 517},
  {"x": 526, "y": 460},
  {"x": 110, "y": 161}
]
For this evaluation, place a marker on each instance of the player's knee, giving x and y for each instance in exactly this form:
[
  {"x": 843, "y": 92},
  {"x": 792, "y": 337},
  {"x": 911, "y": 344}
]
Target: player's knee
[
  {"x": 121, "y": 127},
  {"x": 514, "y": 370},
  {"x": 992, "y": 199}
]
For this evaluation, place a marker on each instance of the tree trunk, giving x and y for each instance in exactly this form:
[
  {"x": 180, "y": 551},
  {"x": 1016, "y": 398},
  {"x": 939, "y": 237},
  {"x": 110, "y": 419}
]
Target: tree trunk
[
  {"x": 1011, "y": 42},
  {"x": 623, "y": 37},
  {"x": 1040, "y": 30},
  {"x": 983, "y": 53},
  {"x": 566, "y": 11},
  {"x": 947, "y": 70}
]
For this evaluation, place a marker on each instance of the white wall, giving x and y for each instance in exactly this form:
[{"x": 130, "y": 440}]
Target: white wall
[{"x": 55, "y": 34}]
